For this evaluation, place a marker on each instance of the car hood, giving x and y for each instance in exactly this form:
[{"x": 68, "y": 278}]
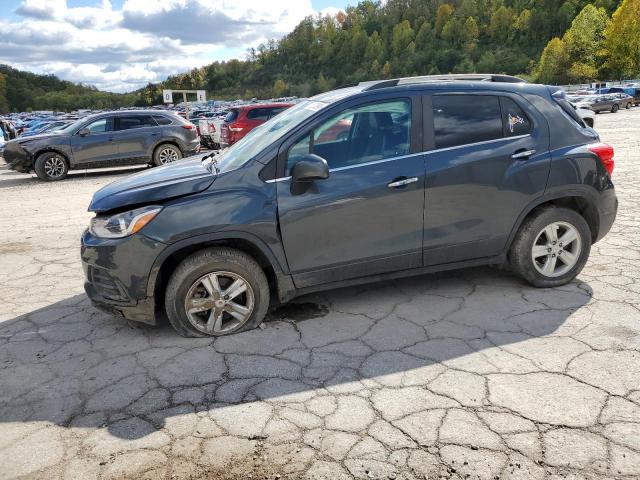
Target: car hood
[
  {"x": 184, "y": 177},
  {"x": 36, "y": 138}
]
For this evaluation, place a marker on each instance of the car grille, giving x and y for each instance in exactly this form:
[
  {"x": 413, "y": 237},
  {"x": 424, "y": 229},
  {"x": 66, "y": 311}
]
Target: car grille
[{"x": 106, "y": 286}]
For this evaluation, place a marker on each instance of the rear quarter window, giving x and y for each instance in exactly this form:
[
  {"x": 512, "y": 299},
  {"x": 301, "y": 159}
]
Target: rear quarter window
[
  {"x": 162, "y": 120},
  {"x": 515, "y": 122},
  {"x": 231, "y": 116}
]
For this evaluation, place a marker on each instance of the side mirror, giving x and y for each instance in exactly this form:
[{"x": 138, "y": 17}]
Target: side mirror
[
  {"x": 84, "y": 132},
  {"x": 309, "y": 168}
]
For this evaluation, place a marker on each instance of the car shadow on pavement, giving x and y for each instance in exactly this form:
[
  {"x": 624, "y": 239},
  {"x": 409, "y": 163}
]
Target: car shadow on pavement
[{"x": 76, "y": 367}]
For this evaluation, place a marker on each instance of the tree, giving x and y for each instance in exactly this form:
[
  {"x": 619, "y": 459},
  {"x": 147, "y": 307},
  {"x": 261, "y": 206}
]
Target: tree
[
  {"x": 623, "y": 41},
  {"x": 4, "y": 105},
  {"x": 553, "y": 62},
  {"x": 279, "y": 88},
  {"x": 585, "y": 39}
]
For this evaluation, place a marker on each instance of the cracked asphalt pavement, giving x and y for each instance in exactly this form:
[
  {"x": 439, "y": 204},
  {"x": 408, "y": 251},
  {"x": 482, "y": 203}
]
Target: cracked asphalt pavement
[{"x": 468, "y": 374}]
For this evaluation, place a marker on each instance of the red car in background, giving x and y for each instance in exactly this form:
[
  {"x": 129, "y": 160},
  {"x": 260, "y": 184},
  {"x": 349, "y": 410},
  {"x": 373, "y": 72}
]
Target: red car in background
[{"x": 241, "y": 120}]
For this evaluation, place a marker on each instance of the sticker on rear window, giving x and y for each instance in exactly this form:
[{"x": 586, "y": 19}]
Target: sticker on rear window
[{"x": 515, "y": 120}]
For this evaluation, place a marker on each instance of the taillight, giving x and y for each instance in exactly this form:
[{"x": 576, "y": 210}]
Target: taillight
[
  {"x": 188, "y": 126},
  {"x": 212, "y": 127},
  {"x": 605, "y": 154}
]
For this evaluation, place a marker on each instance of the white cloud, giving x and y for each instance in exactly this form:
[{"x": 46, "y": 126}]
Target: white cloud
[{"x": 144, "y": 40}]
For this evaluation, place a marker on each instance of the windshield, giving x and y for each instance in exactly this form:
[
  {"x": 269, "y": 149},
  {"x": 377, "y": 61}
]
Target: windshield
[
  {"x": 71, "y": 128},
  {"x": 267, "y": 133}
]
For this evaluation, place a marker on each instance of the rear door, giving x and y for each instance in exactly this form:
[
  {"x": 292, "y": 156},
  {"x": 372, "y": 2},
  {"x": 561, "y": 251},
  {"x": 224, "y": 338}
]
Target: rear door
[
  {"x": 489, "y": 159},
  {"x": 135, "y": 136},
  {"x": 367, "y": 217},
  {"x": 98, "y": 146}
]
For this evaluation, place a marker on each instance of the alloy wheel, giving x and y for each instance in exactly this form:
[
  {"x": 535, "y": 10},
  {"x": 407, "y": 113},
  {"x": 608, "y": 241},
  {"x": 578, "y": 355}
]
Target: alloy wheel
[
  {"x": 556, "y": 249},
  {"x": 54, "y": 167},
  {"x": 168, "y": 155},
  {"x": 219, "y": 302}
]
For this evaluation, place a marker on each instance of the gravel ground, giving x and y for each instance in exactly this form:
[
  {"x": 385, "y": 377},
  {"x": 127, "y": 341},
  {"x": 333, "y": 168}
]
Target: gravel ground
[{"x": 469, "y": 374}]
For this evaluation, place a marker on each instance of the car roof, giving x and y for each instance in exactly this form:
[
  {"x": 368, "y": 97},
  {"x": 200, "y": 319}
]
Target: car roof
[
  {"x": 435, "y": 82},
  {"x": 261, "y": 105}
]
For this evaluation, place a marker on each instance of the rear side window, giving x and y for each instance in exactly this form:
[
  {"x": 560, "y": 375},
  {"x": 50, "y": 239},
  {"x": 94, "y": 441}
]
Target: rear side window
[
  {"x": 515, "y": 122},
  {"x": 138, "y": 121},
  {"x": 275, "y": 111},
  {"x": 162, "y": 120},
  {"x": 259, "y": 114},
  {"x": 231, "y": 116},
  {"x": 464, "y": 119}
]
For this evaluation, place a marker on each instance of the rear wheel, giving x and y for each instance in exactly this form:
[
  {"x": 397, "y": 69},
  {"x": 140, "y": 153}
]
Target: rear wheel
[
  {"x": 551, "y": 247},
  {"x": 216, "y": 292},
  {"x": 628, "y": 105},
  {"x": 615, "y": 108},
  {"x": 51, "y": 166},
  {"x": 166, "y": 153}
]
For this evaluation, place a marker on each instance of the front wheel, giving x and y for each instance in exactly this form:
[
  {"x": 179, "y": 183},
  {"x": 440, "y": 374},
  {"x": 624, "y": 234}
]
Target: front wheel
[
  {"x": 551, "y": 248},
  {"x": 51, "y": 166},
  {"x": 166, "y": 153},
  {"x": 216, "y": 292}
]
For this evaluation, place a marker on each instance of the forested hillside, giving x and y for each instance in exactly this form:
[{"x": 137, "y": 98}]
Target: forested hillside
[
  {"x": 550, "y": 41},
  {"x": 20, "y": 91},
  {"x": 419, "y": 37}
]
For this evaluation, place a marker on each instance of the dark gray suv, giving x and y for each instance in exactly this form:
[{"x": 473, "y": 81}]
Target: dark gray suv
[
  {"x": 368, "y": 182},
  {"x": 105, "y": 140}
]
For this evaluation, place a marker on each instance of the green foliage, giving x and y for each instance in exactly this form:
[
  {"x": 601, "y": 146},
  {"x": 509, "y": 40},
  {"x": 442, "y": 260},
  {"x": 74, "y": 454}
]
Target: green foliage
[
  {"x": 552, "y": 41},
  {"x": 24, "y": 91},
  {"x": 579, "y": 56},
  {"x": 623, "y": 41}
]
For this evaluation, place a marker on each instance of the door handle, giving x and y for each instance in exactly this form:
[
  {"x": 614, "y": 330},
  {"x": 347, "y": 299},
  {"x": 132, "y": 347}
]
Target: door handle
[
  {"x": 523, "y": 155},
  {"x": 402, "y": 182}
]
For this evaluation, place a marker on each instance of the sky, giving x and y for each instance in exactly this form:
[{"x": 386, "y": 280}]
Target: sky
[{"x": 121, "y": 45}]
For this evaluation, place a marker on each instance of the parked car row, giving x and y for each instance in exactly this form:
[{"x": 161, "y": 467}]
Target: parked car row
[{"x": 104, "y": 140}]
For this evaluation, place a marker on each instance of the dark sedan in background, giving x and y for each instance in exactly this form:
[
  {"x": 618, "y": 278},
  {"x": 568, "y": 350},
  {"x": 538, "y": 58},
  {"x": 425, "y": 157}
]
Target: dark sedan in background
[
  {"x": 105, "y": 140},
  {"x": 603, "y": 103}
]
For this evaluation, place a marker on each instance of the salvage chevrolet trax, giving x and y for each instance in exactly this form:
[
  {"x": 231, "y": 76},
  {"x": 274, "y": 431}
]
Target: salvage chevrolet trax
[{"x": 368, "y": 182}]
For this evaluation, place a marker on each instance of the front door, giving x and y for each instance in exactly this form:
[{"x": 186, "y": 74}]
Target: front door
[
  {"x": 490, "y": 159},
  {"x": 367, "y": 217},
  {"x": 96, "y": 147}
]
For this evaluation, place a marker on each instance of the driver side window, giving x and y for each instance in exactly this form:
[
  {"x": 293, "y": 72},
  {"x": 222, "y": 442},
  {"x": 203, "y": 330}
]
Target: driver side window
[
  {"x": 358, "y": 135},
  {"x": 99, "y": 126}
]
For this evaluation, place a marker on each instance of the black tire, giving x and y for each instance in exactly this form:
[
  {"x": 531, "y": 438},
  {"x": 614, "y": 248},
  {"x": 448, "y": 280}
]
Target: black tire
[
  {"x": 521, "y": 252},
  {"x": 204, "y": 262},
  {"x": 166, "y": 153},
  {"x": 615, "y": 108},
  {"x": 628, "y": 105},
  {"x": 51, "y": 167}
]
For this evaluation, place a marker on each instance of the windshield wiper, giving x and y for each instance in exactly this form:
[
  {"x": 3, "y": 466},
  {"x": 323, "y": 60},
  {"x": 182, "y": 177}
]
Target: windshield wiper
[{"x": 212, "y": 165}]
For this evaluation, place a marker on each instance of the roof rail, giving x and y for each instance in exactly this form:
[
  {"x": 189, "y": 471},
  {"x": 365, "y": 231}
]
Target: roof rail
[{"x": 470, "y": 77}]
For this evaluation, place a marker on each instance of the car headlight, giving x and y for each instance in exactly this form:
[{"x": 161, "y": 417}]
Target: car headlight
[{"x": 123, "y": 224}]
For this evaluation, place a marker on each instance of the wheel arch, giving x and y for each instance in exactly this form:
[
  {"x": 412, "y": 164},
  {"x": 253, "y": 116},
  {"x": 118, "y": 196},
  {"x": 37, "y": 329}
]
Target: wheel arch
[
  {"x": 578, "y": 201},
  {"x": 279, "y": 282},
  {"x": 164, "y": 141},
  {"x": 49, "y": 149}
]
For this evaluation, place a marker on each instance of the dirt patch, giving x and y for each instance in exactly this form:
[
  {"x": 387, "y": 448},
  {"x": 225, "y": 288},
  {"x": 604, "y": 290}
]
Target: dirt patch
[{"x": 15, "y": 247}]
